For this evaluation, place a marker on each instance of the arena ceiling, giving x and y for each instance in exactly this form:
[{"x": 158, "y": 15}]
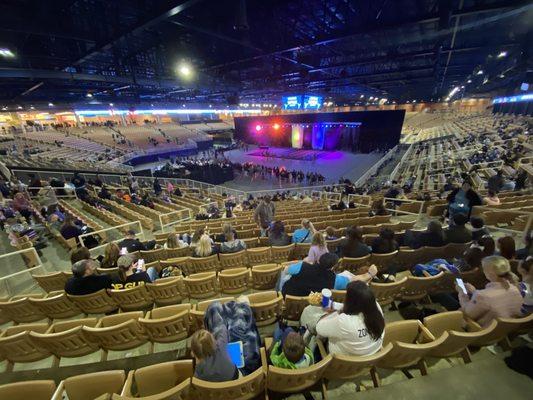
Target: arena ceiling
[{"x": 246, "y": 51}]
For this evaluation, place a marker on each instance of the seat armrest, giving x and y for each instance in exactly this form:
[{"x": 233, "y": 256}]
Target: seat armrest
[
  {"x": 126, "y": 389},
  {"x": 58, "y": 394},
  {"x": 264, "y": 360},
  {"x": 321, "y": 348},
  {"x": 471, "y": 325}
]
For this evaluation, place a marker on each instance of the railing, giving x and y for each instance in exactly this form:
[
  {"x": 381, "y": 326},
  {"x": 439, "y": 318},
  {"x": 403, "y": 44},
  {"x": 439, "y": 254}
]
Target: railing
[
  {"x": 121, "y": 228},
  {"x": 372, "y": 170},
  {"x": 402, "y": 161},
  {"x": 16, "y": 265},
  {"x": 70, "y": 193},
  {"x": 167, "y": 216}
]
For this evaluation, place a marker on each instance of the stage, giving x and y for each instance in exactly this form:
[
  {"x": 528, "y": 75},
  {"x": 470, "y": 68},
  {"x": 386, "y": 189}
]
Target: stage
[
  {"x": 332, "y": 164},
  {"x": 290, "y": 154}
]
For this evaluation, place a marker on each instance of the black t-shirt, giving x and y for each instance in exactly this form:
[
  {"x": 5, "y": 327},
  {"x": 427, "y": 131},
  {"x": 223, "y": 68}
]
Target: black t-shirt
[
  {"x": 87, "y": 285},
  {"x": 311, "y": 278},
  {"x": 137, "y": 279},
  {"x": 132, "y": 245}
]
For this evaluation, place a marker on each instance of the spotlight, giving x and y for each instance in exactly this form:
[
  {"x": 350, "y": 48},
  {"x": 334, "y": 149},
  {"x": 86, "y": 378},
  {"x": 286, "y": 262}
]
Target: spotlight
[
  {"x": 276, "y": 126},
  {"x": 89, "y": 95},
  {"x": 502, "y": 54},
  {"x": 361, "y": 96},
  {"x": 185, "y": 70},
  {"x": 502, "y": 76},
  {"x": 111, "y": 104},
  {"x": 19, "y": 108},
  {"x": 32, "y": 108},
  {"x": 258, "y": 128},
  {"x": 50, "y": 104},
  {"x": 469, "y": 81},
  {"x": 6, "y": 53},
  {"x": 480, "y": 72}
]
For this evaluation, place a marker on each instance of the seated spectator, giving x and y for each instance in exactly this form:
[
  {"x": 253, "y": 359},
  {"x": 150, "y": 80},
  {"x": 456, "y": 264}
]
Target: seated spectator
[
  {"x": 527, "y": 251},
  {"x": 111, "y": 256},
  {"x": 378, "y": 208},
  {"x": 198, "y": 233},
  {"x": 289, "y": 350},
  {"x": 130, "y": 275},
  {"x": 22, "y": 205},
  {"x": 204, "y": 247},
  {"x": 506, "y": 247},
  {"x": 104, "y": 193},
  {"x": 69, "y": 229},
  {"x": 317, "y": 249},
  {"x": 385, "y": 242},
  {"x": 433, "y": 236},
  {"x": 47, "y": 197},
  {"x": 54, "y": 224},
  {"x": 487, "y": 245},
  {"x": 478, "y": 228},
  {"x": 458, "y": 232},
  {"x": 471, "y": 259},
  {"x": 352, "y": 245},
  {"x": 331, "y": 233},
  {"x": 174, "y": 242},
  {"x": 85, "y": 279},
  {"x": 305, "y": 278},
  {"x": 213, "y": 363},
  {"x": 277, "y": 235},
  {"x": 495, "y": 182},
  {"x": 500, "y": 298},
  {"x": 231, "y": 244},
  {"x": 226, "y": 229},
  {"x": 78, "y": 254},
  {"x": 461, "y": 200},
  {"x": 525, "y": 269},
  {"x": 177, "y": 192},
  {"x": 492, "y": 199},
  {"x": 359, "y": 327},
  {"x": 132, "y": 244},
  {"x": 305, "y": 233}
]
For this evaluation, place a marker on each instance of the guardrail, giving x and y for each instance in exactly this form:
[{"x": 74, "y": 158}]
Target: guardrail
[
  {"x": 174, "y": 222},
  {"x": 140, "y": 232},
  {"x": 70, "y": 192},
  {"x": 402, "y": 161},
  {"x": 30, "y": 259},
  {"x": 372, "y": 170}
]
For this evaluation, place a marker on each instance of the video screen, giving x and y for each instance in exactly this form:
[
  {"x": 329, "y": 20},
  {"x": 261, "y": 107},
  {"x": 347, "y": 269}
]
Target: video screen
[
  {"x": 292, "y": 102},
  {"x": 312, "y": 102}
]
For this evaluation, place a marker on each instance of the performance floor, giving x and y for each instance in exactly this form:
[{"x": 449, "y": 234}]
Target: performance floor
[{"x": 332, "y": 164}]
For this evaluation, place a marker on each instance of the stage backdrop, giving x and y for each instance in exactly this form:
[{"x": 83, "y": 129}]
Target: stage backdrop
[{"x": 357, "y": 131}]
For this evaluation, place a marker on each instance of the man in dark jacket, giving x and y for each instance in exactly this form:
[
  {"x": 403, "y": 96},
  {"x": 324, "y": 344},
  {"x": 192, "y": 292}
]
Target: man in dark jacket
[
  {"x": 132, "y": 244},
  {"x": 85, "y": 280},
  {"x": 495, "y": 182},
  {"x": 458, "y": 232}
]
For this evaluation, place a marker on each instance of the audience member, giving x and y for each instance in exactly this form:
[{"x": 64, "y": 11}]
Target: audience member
[
  {"x": 22, "y": 205},
  {"x": 213, "y": 363},
  {"x": 330, "y": 233},
  {"x": 526, "y": 251},
  {"x": 525, "y": 269},
  {"x": 471, "y": 259},
  {"x": 458, "y": 232},
  {"x": 461, "y": 200},
  {"x": 174, "y": 242},
  {"x": 378, "y": 208},
  {"x": 132, "y": 244},
  {"x": 434, "y": 235},
  {"x": 352, "y": 245},
  {"x": 289, "y": 350},
  {"x": 111, "y": 256},
  {"x": 478, "y": 228},
  {"x": 85, "y": 279},
  {"x": 78, "y": 254},
  {"x": 491, "y": 199},
  {"x": 264, "y": 214},
  {"x": 500, "y": 298},
  {"x": 132, "y": 274},
  {"x": 385, "y": 242},
  {"x": 305, "y": 233},
  {"x": 506, "y": 247},
  {"x": 69, "y": 229},
  {"x": 495, "y": 182},
  {"x": 204, "y": 247},
  {"x": 318, "y": 247},
  {"x": 358, "y": 329},
  {"x": 488, "y": 245},
  {"x": 231, "y": 244},
  {"x": 277, "y": 235}
]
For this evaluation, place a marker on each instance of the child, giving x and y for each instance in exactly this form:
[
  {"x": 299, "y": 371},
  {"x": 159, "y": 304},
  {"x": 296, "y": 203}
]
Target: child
[
  {"x": 330, "y": 233},
  {"x": 212, "y": 360},
  {"x": 290, "y": 352},
  {"x": 318, "y": 247}
]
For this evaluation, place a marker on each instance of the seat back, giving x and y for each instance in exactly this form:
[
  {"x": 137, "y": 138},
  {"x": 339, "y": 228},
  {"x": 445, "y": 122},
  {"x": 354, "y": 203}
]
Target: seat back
[
  {"x": 134, "y": 298},
  {"x": 67, "y": 339},
  {"x": 167, "y": 291},
  {"x": 405, "y": 355},
  {"x": 301, "y": 250},
  {"x": 294, "y": 306},
  {"x": 202, "y": 285},
  {"x": 21, "y": 310},
  {"x": 245, "y": 388},
  {"x": 16, "y": 344},
  {"x": 53, "y": 281},
  {"x": 258, "y": 255},
  {"x": 296, "y": 380},
  {"x": 281, "y": 254},
  {"x": 439, "y": 323},
  {"x": 353, "y": 264},
  {"x": 233, "y": 260},
  {"x": 152, "y": 255},
  {"x": 386, "y": 293},
  {"x": 56, "y": 307},
  {"x": 348, "y": 367},
  {"x": 416, "y": 288},
  {"x": 95, "y": 303},
  {"x": 179, "y": 252},
  {"x": 234, "y": 280},
  {"x": 504, "y": 327},
  {"x": 25, "y": 390},
  {"x": 383, "y": 261},
  {"x": 475, "y": 277},
  {"x": 158, "y": 378},
  {"x": 266, "y": 307},
  {"x": 265, "y": 276},
  {"x": 167, "y": 324},
  {"x": 204, "y": 264},
  {"x": 90, "y": 386},
  {"x": 118, "y": 332}
]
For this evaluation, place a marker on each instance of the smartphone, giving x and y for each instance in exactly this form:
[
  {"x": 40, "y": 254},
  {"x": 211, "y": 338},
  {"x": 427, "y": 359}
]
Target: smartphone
[
  {"x": 461, "y": 284},
  {"x": 140, "y": 265},
  {"x": 123, "y": 251}
]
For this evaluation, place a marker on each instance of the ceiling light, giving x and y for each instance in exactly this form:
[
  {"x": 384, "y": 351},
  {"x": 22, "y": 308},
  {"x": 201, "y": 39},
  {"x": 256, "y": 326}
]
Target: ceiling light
[
  {"x": 111, "y": 104},
  {"x": 502, "y": 76},
  {"x": 462, "y": 87},
  {"x": 361, "y": 96},
  {"x": 480, "y": 72},
  {"x": 19, "y": 108},
  {"x": 371, "y": 97},
  {"x": 469, "y": 81},
  {"x": 50, "y": 104},
  {"x": 89, "y": 95},
  {"x": 183, "y": 105},
  {"x": 185, "y": 70},
  {"x": 32, "y": 108},
  {"x": 6, "y": 53},
  {"x": 502, "y": 54},
  {"x": 4, "y": 108}
]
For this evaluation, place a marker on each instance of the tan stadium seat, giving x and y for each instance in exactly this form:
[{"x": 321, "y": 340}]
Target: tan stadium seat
[
  {"x": 233, "y": 260},
  {"x": 202, "y": 285},
  {"x": 52, "y": 282},
  {"x": 289, "y": 381},
  {"x": 152, "y": 255},
  {"x": 234, "y": 280},
  {"x": 344, "y": 367},
  {"x": 247, "y": 234},
  {"x": 20, "y": 310},
  {"x": 26, "y": 390},
  {"x": 117, "y": 332},
  {"x": 281, "y": 254},
  {"x": 265, "y": 276},
  {"x": 431, "y": 253},
  {"x": 56, "y": 306},
  {"x": 266, "y": 306},
  {"x": 353, "y": 264},
  {"x": 452, "y": 325},
  {"x": 504, "y": 327},
  {"x": 417, "y": 288},
  {"x": 301, "y": 250},
  {"x": 250, "y": 243},
  {"x": 411, "y": 341},
  {"x": 338, "y": 295},
  {"x": 176, "y": 253},
  {"x": 258, "y": 255},
  {"x": 387, "y": 293},
  {"x": 17, "y": 346},
  {"x": 67, "y": 339},
  {"x": 167, "y": 291},
  {"x": 264, "y": 242},
  {"x": 457, "y": 249},
  {"x": 90, "y": 386},
  {"x": 333, "y": 244},
  {"x": 94, "y": 303},
  {"x": 407, "y": 257},
  {"x": 246, "y": 388},
  {"x": 167, "y": 324},
  {"x": 203, "y": 264},
  {"x": 169, "y": 380},
  {"x": 382, "y": 261},
  {"x": 294, "y": 306},
  {"x": 107, "y": 271},
  {"x": 198, "y": 312},
  {"x": 135, "y": 298}
]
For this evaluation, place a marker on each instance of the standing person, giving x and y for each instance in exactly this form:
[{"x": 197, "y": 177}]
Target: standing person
[
  {"x": 264, "y": 214},
  {"x": 157, "y": 187}
]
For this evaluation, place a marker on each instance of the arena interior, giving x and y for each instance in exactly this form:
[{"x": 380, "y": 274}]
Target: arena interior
[{"x": 245, "y": 199}]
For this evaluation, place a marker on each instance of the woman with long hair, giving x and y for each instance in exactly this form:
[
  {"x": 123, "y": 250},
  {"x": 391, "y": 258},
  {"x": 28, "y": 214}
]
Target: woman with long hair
[
  {"x": 506, "y": 247},
  {"x": 305, "y": 233},
  {"x": 69, "y": 229},
  {"x": 277, "y": 235},
  {"x": 358, "y": 328},
  {"x": 131, "y": 273},
  {"x": 488, "y": 245},
  {"x": 385, "y": 242},
  {"x": 203, "y": 247},
  {"x": 174, "y": 242},
  {"x": 111, "y": 255},
  {"x": 500, "y": 299},
  {"x": 318, "y": 247},
  {"x": 353, "y": 245}
]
